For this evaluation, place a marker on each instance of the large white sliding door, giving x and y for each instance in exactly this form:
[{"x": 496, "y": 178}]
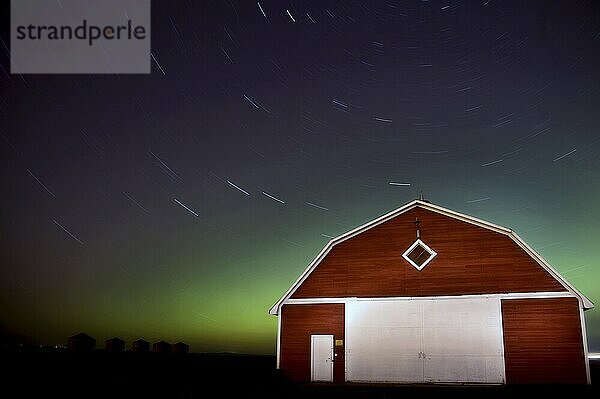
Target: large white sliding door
[
  {"x": 462, "y": 341},
  {"x": 441, "y": 340},
  {"x": 381, "y": 338}
]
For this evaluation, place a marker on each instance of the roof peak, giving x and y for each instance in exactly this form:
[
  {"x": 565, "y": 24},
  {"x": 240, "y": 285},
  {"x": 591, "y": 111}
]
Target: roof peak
[{"x": 422, "y": 198}]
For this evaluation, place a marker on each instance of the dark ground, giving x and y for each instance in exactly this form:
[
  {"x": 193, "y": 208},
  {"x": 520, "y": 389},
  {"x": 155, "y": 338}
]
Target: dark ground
[{"x": 61, "y": 374}]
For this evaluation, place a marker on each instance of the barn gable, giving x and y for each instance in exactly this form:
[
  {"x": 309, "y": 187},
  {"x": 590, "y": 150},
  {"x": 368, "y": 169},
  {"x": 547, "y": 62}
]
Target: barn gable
[{"x": 455, "y": 254}]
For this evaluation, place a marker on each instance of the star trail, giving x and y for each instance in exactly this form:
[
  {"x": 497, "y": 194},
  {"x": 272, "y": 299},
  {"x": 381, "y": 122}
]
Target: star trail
[{"x": 179, "y": 205}]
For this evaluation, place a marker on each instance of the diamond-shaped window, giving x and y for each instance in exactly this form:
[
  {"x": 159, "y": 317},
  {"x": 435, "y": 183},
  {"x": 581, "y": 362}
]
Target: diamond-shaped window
[{"x": 419, "y": 254}]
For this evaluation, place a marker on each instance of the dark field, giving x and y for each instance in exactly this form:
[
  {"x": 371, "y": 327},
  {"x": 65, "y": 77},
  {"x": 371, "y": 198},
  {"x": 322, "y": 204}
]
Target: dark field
[{"x": 128, "y": 375}]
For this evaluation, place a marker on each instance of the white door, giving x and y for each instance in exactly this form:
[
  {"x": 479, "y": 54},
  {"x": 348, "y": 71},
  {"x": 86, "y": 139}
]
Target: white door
[
  {"x": 321, "y": 355},
  {"x": 441, "y": 340},
  {"x": 383, "y": 341},
  {"x": 462, "y": 341}
]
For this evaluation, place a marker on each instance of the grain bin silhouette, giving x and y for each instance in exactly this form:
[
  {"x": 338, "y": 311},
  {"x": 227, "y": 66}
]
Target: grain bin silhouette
[
  {"x": 140, "y": 345},
  {"x": 180, "y": 348},
  {"x": 161, "y": 347},
  {"x": 115, "y": 344},
  {"x": 81, "y": 343}
]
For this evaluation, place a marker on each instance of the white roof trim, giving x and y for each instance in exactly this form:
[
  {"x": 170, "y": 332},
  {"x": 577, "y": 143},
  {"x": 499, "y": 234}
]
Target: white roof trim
[
  {"x": 587, "y": 304},
  {"x": 513, "y": 295}
]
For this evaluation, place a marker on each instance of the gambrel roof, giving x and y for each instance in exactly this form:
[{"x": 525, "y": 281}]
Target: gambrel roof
[{"x": 587, "y": 304}]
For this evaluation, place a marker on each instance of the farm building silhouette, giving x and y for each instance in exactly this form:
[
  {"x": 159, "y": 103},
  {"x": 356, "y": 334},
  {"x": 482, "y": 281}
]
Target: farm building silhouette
[
  {"x": 81, "y": 343},
  {"x": 161, "y": 347},
  {"x": 115, "y": 345},
  {"x": 140, "y": 345},
  {"x": 180, "y": 348}
]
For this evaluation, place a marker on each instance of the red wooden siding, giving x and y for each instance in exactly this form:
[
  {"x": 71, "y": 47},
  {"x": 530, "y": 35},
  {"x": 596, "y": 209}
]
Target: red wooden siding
[
  {"x": 297, "y": 324},
  {"x": 470, "y": 260},
  {"x": 542, "y": 341}
]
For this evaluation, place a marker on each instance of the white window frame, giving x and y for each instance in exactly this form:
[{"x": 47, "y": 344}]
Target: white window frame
[{"x": 432, "y": 254}]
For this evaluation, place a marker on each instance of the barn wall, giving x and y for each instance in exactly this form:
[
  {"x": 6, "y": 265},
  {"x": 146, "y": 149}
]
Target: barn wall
[
  {"x": 297, "y": 324},
  {"x": 470, "y": 260},
  {"x": 543, "y": 341}
]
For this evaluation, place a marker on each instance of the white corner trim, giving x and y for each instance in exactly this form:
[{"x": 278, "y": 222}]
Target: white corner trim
[
  {"x": 275, "y": 309},
  {"x": 278, "y": 349},
  {"x": 432, "y": 254},
  {"x": 345, "y": 345},
  {"x": 585, "y": 344},
  {"x": 501, "y": 330}
]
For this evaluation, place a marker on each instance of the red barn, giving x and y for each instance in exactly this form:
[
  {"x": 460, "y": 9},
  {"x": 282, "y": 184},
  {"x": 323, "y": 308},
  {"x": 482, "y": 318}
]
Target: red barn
[{"x": 426, "y": 294}]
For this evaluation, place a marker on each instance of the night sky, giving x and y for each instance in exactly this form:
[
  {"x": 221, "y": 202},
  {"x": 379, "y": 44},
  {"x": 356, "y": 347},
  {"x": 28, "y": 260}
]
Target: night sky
[{"x": 180, "y": 205}]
